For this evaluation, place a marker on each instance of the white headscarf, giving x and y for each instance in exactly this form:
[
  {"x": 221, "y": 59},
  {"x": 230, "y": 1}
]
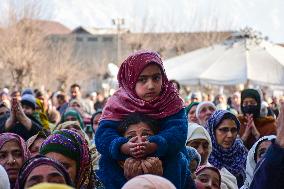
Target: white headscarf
[
  {"x": 196, "y": 131},
  {"x": 4, "y": 179},
  {"x": 200, "y": 106},
  {"x": 251, "y": 164}
]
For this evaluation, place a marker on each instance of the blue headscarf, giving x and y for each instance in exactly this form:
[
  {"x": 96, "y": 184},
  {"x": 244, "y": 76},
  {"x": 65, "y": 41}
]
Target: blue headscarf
[
  {"x": 193, "y": 155},
  {"x": 234, "y": 158}
]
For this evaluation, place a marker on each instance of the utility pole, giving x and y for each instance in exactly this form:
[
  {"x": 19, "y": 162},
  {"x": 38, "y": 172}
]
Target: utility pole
[{"x": 118, "y": 22}]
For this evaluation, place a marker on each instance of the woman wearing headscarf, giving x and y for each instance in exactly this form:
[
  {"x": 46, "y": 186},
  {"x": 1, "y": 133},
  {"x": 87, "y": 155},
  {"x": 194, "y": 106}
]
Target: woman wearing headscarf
[
  {"x": 40, "y": 114},
  {"x": 72, "y": 151},
  {"x": 203, "y": 111},
  {"x": 34, "y": 143},
  {"x": 253, "y": 126},
  {"x": 228, "y": 151},
  {"x": 44, "y": 169},
  {"x": 191, "y": 112},
  {"x": 72, "y": 115},
  {"x": 13, "y": 153},
  {"x": 255, "y": 154},
  {"x": 199, "y": 138},
  {"x": 194, "y": 160},
  {"x": 148, "y": 181}
]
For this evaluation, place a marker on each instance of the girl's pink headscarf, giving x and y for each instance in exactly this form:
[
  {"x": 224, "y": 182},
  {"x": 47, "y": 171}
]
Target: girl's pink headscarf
[{"x": 125, "y": 100}]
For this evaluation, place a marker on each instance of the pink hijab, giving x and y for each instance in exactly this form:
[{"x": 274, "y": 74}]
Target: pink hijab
[{"x": 125, "y": 100}]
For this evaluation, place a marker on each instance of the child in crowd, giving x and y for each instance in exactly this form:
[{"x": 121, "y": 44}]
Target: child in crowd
[{"x": 143, "y": 88}]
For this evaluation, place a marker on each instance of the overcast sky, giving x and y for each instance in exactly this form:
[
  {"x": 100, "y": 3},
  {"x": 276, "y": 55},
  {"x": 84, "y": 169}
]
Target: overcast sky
[{"x": 266, "y": 16}]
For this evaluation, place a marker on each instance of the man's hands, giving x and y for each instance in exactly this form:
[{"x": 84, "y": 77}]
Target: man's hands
[{"x": 134, "y": 167}]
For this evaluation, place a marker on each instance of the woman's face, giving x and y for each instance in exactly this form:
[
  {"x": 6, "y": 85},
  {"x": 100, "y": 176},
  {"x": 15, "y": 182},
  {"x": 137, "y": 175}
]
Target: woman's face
[
  {"x": 69, "y": 164},
  {"x": 202, "y": 147},
  {"x": 96, "y": 122},
  {"x": 226, "y": 133},
  {"x": 44, "y": 173},
  {"x": 192, "y": 115},
  {"x": 149, "y": 83},
  {"x": 261, "y": 150},
  {"x": 205, "y": 113},
  {"x": 11, "y": 158},
  {"x": 209, "y": 179},
  {"x": 71, "y": 118},
  {"x": 34, "y": 148},
  {"x": 139, "y": 130}
]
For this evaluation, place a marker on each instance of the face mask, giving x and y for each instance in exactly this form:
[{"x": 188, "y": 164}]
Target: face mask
[{"x": 251, "y": 109}]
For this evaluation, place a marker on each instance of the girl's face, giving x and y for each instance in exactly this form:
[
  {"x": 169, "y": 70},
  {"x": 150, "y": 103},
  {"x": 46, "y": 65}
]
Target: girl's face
[
  {"x": 209, "y": 179},
  {"x": 192, "y": 115},
  {"x": 226, "y": 133},
  {"x": 11, "y": 158},
  {"x": 149, "y": 83},
  {"x": 138, "y": 130},
  {"x": 202, "y": 147},
  {"x": 261, "y": 150}
]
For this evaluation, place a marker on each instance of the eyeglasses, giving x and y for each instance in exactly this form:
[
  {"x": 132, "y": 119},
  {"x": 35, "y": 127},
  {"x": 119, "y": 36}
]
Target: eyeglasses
[{"x": 225, "y": 130}]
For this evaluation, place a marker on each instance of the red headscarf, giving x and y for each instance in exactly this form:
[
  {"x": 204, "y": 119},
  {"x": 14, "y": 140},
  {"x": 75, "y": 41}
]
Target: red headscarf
[{"x": 125, "y": 100}]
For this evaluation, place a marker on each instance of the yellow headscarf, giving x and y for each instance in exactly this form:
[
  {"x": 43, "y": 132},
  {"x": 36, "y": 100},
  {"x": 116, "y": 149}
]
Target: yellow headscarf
[
  {"x": 42, "y": 114},
  {"x": 50, "y": 186}
]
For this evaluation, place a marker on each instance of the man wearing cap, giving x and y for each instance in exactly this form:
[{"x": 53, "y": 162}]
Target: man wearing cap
[{"x": 21, "y": 120}]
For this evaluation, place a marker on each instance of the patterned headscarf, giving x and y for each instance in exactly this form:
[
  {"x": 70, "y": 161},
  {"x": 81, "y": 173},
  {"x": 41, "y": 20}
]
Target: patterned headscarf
[
  {"x": 234, "y": 158},
  {"x": 73, "y": 113},
  {"x": 193, "y": 155},
  {"x": 36, "y": 161},
  {"x": 6, "y": 137},
  {"x": 125, "y": 100},
  {"x": 73, "y": 146}
]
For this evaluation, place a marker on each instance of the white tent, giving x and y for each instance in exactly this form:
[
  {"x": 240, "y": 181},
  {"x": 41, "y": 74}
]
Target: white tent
[{"x": 242, "y": 58}]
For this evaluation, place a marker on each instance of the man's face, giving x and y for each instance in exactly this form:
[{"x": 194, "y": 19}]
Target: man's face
[{"x": 75, "y": 92}]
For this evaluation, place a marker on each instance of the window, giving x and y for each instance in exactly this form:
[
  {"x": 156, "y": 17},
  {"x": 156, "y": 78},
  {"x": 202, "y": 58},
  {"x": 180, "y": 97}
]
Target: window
[
  {"x": 92, "y": 39},
  {"x": 79, "y": 39},
  {"x": 107, "y": 39}
]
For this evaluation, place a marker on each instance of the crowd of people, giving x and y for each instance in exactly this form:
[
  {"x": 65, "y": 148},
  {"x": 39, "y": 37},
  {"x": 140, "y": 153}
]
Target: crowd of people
[{"x": 143, "y": 136}]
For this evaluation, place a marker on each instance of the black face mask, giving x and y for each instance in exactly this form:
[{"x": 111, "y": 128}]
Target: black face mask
[{"x": 251, "y": 109}]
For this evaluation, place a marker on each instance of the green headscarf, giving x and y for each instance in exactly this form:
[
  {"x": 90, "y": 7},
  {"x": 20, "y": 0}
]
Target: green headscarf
[{"x": 73, "y": 113}]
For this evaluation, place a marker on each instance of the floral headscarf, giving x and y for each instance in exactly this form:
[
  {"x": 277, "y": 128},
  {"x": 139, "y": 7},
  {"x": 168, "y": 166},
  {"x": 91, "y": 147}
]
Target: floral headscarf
[
  {"x": 6, "y": 137},
  {"x": 36, "y": 161},
  {"x": 125, "y": 100},
  {"x": 72, "y": 145},
  {"x": 234, "y": 158}
]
